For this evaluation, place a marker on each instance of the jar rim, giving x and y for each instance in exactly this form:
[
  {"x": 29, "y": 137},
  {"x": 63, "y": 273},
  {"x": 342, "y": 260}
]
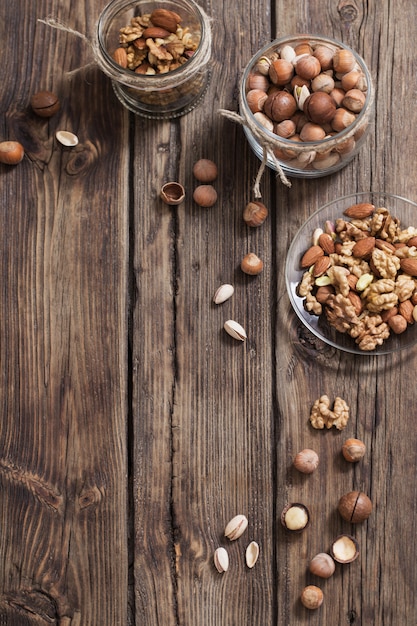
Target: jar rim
[
  {"x": 127, "y": 76},
  {"x": 314, "y": 38}
]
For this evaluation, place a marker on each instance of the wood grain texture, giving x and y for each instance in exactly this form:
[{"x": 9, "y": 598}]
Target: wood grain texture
[
  {"x": 63, "y": 459},
  {"x": 132, "y": 427}
]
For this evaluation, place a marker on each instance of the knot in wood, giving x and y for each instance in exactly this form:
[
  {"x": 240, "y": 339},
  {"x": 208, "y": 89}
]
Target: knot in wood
[{"x": 348, "y": 11}]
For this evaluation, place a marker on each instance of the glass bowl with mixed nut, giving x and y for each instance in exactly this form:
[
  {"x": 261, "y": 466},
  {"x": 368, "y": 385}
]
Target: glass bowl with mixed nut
[
  {"x": 156, "y": 54},
  {"x": 351, "y": 273},
  {"x": 307, "y": 102}
]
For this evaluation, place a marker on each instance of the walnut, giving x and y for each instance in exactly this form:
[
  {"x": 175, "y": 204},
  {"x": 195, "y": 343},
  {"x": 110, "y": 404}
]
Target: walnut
[
  {"x": 322, "y": 416},
  {"x": 339, "y": 279},
  {"x": 370, "y": 332},
  {"x": 306, "y": 284},
  {"x": 404, "y": 235},
  {"x": 384, "y": 225},
  {"x": 380, "y": 295},
  {"x": 385, "y": 263},
  {"x": 340, "y": 312},
  {"x": 404, "y": 287},
  {"x": 129, "y": 34},
  {"x": 313, "y": 305}
]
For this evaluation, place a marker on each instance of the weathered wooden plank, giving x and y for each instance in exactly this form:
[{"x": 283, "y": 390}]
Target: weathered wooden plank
[{"x": 63, "y": 337}]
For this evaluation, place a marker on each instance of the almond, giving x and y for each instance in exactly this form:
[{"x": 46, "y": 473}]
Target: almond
[
  {"x": 409, "y": 266},
  {"x": 412, "y": 242},
  {"x": 363, "y": 248},
  {"x": 386, "y": 246},
  {"x": 155, "y": 31},
  {"x": 352, "y": 280},
  {"x": 360, "y": 211},
  {"x": 311, "y": 256},
  {"x": 321, "y": 266},
  {"x": 120, "y": 56},
  {"x": 326, "y": 242},
  {"x": 165, "y": 19},
  {"x": 356, "y": 302},
  {"x": 406, "y": 310}
]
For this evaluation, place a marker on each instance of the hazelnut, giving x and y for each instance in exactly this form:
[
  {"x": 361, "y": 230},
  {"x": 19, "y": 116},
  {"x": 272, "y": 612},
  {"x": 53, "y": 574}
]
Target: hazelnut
[
  {"x": 354, "y": 100},
  {"x": 172, "y": 193},
  {"x": 322, "y": 565},
  {"x": 308, "y": 67},
  {"x": 312, "y": 597},
  {"x": 285, "y": 129},
  {"x": 306, "y": 461},
  {"x": 312, "y": 132},
  {"x": 342, "y": 119},
  {"x": 205, "y": 170},
  {"x": 256, "y": 80},
  {"x": 345, "y": 549},
  {"x": 205, "y": 195},
  {"x": 353, "y": 450},
  {"x": 319, "y": 107},
  {"x": 11, "y": 152},
  {"x": 251, "y": 264},
  {"x": 322, "y": 82},
  {"x": 281, "y": 72},
  {"x": 45, "y": 103},
  {"x": 280, "y": 106},
  {"x": 355, "y": 507},
  {"x": 325, "y": 54},
  {"x": 295, "y": 517},
  {"x": 343, "y": 61},
  {"x": 255, "y": 213},
  {"x": 255, "y": 99},
  {"x": 398, "y": 324}
]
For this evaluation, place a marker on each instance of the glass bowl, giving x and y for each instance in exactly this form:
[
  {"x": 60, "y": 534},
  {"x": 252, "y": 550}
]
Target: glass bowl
[
  {"x": 405, "y": 210},
  {"x": 158, "y": 93},
  {"x": 307, "y": 158}
]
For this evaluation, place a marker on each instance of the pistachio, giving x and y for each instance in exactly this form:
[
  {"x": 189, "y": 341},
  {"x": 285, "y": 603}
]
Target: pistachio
[
  {"x": 252, "y": 553},
  {"x": 235, "y": 330},
  {"x": 221, "y": 560},
  {"x": 364, "y": 281},
  {"x": 236, "y": 527},
  {"x": 223, "y": 293}
]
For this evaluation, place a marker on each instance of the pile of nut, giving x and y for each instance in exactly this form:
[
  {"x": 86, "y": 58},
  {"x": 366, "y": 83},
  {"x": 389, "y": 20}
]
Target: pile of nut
[
  {"x": 155, "y": 43},
  {"x": 308, "y": 93},
  {"x": 361, "y": 275},
  {"x": 354, "y": 507}
]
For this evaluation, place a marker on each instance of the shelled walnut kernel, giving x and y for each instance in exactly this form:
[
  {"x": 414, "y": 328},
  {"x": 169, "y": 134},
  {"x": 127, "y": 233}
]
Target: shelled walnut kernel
[{"x": 155, "y": 43}]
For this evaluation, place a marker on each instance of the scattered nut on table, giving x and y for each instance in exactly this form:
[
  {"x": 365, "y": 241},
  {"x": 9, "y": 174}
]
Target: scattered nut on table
[
  {"x": 45, "y": 103},
  {"x": 223, "y": 293},
  {"x": 345, "y": 549},
  {"x": 236, "y": 527},
  {"x": 323, "y": 416},
  {"x": 355, "y": 507},
  {"x": 306, "y": 461},
  {"x": 353, "y": 450},
  {"x": 295, "y": 517},
  {"x": 11, "y": 152},
  {"x": 235, "y": 330},
  {"x": 312, "y": 597},
  {"x": 252, "y": 554},
  {"x": 221, "y": 560},
  {"x": 205, "y": 170},
  {"x": 322, "y": 565}
]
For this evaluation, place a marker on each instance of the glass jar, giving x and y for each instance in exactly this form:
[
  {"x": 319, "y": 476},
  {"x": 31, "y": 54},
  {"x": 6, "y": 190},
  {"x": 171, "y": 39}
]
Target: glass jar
[
  {"x": 159, "y": 95},
  {"x": 303, "y": 159}
]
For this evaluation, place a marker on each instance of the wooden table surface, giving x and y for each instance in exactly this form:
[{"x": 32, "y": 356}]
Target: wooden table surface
[{"x": 132, "y": 427}]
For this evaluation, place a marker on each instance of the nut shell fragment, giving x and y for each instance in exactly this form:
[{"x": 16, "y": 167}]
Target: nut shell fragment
[
  {"x": 236, "y": 527},
  {"x": 252, "y": 554},
  {"x": 172, "y": 193},
  {"x": 221, "y": 560},
  {"x": 345, "y": 549},
  {"x": 66, "y": 138}
]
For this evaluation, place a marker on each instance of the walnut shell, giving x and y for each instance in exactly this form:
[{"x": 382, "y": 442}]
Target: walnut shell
[{"x": 355, "y": 507}]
